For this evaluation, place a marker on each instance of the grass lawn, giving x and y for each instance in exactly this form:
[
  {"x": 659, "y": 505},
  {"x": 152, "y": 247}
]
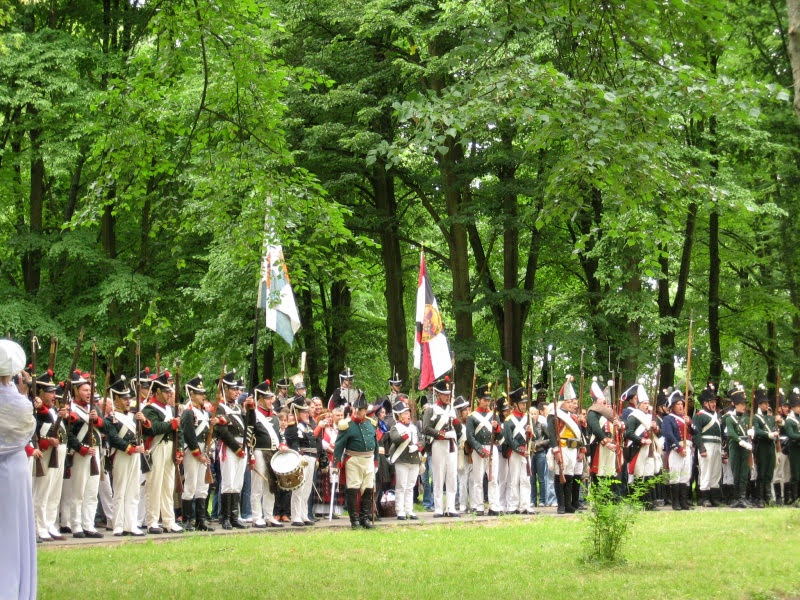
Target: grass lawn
[{"x": 698, "y": 554}]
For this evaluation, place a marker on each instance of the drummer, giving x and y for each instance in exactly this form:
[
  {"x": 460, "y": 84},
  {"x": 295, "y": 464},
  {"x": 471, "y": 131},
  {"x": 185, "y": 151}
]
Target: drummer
[
  {"x": 300, "y": 437},
  {"x": 269, "y": 440}
]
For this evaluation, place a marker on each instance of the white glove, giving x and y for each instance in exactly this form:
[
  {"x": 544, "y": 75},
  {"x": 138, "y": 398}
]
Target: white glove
[
  {"x": 412, "y": 448},
  {"x": 745, "y": 445},
  {"x": 751, "y": 432},
  {"x": 774, "y": 435},
  {"x": 450, "y": 435}
]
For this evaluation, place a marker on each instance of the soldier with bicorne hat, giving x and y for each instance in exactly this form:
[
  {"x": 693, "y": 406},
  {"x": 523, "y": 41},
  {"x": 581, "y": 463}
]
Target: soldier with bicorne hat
[
  {"x": 481, "y": 426},
  {"x": 740, "y": 445},
  {"x": 84, "y": 450},
  {"x": 356, "y": 450},
  {"x": 708, "y": 441},
  {"x": 791, "y": 430},
  {"x": 231, "y": 450},
  {"x": 195, "y": 424},
  {"x": 517, "y": 431},
  {"x": 440, "y": 425},
  {"x": 404, "y": 453},
  {"x": 766, "y": 433},
  {"x": 345, "y": 395},
  {"x": 300, "y": 438},
  {"x": 52, "y": 440},
  {"x": 678, "y": 432},
  {"x": 159, "y": 430},
  {"x": 268, "y": 440},
  {"x": 121, "y": 431}
]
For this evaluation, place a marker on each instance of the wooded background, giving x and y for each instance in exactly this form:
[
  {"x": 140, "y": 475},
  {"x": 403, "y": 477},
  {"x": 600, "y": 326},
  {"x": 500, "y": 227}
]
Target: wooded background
[{"x": 586, "y": 174}]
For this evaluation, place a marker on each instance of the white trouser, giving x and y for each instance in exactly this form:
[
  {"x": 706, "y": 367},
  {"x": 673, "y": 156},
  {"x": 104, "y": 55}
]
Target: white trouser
[
  {"x": 232, "y": 471},
  {"x": 502, "y": 482},
  {"x": 301, "y": 495},
  {"x": 710, "y": 466},
  {"x": 106, "y": 496},
  {"x": 680, "y": 467},
  {"x": 569, "y": 458},
  {"x": 606, "y": 462},
  {"x": 127, "y": 469},
  {"x": 464, "y": 487},
  {"x": 84, "y": 493},
  {"x": 194, "y": 476},
  {"x": 645, "y": 465},
  {"x": 445, "y": 467},
  {"x": 142, "y": 510},
  {"x": 47, "y": 492},
  {"x": 405, "y": 475},
  {"x": 160, "y": 487},
  {"x": 480, "y": 466},
  {"x": 67, "y": 507},
  {"x": 262, "y": 500},
  {"x": 519, "y": 483}
]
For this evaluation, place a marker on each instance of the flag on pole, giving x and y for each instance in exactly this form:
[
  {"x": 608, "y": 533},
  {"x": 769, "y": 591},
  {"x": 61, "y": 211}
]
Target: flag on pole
[
  {"x": 275, "y": 295},
  {"x": 431, "y": 352}
]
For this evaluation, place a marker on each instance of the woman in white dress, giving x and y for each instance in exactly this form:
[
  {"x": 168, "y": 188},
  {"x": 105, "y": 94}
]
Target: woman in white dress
[{"x": 18, "y": 551}]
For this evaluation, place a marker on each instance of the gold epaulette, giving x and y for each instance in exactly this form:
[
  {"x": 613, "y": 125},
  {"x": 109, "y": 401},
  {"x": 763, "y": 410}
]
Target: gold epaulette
[
  {"x": 344, "y": 424},
  {"x": 374, "y": 422}
]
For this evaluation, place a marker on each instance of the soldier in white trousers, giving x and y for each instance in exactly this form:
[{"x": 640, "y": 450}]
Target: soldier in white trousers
[
  {"x": 461, "y": 407},
  {"x": 517, "y": 432},
  {"x": 195, "y": 425},
  {"x": 123, "y": 430},
  {"x": 440, "y": 424},
  {"x": 84, "y": 446},
  {"x": 160, "y": 428},
  {"x": 268, "y": 441},
  {"x": 52, "y": 431},
  {"x": 483, "y": 432},
  {"x": 231, "y": 448},
  {"x": 404, "y": 453}
]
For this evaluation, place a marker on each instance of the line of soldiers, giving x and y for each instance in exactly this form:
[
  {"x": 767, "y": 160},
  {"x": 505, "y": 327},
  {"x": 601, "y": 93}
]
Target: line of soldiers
[{"x": 135, "y": 448}]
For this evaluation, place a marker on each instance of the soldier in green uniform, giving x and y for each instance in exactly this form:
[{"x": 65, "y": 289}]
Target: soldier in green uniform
[
  {"x": 739, "y": 445},
  {"x": 766, "y": 434},
  {"x": 791, "y": 431},
  {"x": 708, "y": 441},
  {"x": 358, "y": 440},
  {"x": 483, "y": 430}
]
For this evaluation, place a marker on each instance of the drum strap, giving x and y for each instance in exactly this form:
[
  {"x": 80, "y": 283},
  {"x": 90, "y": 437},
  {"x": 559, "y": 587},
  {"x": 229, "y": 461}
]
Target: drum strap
[{"x": 262, "y": 420}]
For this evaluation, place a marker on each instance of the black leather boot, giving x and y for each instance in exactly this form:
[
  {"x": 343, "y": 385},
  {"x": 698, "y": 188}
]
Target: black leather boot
[
  {"x": 351, "y": 500},
  {"x": 225, "y": 511},
  {"x": 366, "y": 509},
  {"x": 568, "y": 508},
  {"x": 676, "y": 496},
  {"x": 201, "y": 514},
  {"x": 684, "y": 494},
  {"x": 559, "y": 489},
  {"x": 576, "y": 494},
  {"x": 187, "y": 512},
  {"x": 235, "y": 522}
]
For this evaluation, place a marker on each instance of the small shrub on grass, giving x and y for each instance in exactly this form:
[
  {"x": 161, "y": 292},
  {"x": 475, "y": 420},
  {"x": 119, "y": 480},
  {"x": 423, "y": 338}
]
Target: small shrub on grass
[{"x": 611, "y": 517}]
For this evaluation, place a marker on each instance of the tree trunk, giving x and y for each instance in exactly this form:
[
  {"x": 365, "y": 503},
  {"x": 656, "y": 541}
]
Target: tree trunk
[
  {"x": 108, "y": 235},
  {"x": 386, "y": 205},
  {"x": 32, "y": 260},
  {"x": 512, "y": 326},
  {"x": 338, "y": 314},
  {"x": 793, "y": 7}
]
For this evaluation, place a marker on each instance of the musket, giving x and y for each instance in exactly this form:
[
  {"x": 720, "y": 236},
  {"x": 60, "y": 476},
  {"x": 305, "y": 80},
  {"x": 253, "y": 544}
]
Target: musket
[
  {"x": 94, "y": 468},
  {"x": 778, "y": 446},
  {"x": 580, "y": 386},
  {"x": 303, "y": 366},
  {"x": 559, "y": 459},
  {"x": 210, "y": 434},
  {"x": 39, "y": 468},
  {"x": 53, "y": 345},
  {"x": 688, "y": 379},
  {"x": 145, "y": 460},
  {"x": 412, "y": 403},
  {"x": 492, "y": 437},
  {"x": 66, "y": 399},
  {"x": 474, "y": 381},
  {"x": 175, "y": 439},
  {"x": 750, "y": 460}
]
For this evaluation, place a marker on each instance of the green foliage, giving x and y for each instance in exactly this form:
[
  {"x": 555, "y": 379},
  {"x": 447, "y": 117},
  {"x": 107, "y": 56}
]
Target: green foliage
[{"x": 611, "y": 518}]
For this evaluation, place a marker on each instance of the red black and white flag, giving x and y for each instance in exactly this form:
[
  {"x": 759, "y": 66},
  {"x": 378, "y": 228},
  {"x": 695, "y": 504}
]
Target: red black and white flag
[{"x": 431, "y": 352}]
